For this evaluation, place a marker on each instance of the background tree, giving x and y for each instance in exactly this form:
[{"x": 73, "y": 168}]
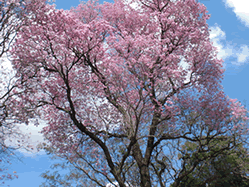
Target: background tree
[
  {"x": 117, "y": 83},
  {"x": 12, "y": 16},
  {"x": 216, "y": 168},
  {"x": 10, "y": 22}
]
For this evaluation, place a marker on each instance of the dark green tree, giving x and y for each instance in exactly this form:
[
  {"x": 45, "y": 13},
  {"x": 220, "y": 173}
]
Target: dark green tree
[{"x": 215, "y": 166}]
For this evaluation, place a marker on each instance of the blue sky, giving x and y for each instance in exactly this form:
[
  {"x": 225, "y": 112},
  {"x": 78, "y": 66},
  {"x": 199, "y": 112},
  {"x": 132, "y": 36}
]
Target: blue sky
[{"x": 229, "y": 24}]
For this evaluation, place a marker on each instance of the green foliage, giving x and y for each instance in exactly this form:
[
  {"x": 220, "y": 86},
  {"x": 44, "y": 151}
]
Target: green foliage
[{"x": 215, "y": 166}]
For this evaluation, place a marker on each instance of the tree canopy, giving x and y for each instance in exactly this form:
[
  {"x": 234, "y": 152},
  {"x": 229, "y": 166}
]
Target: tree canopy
[
  {"x": 12, "y": 16},
  {"x": 216, "y": 167},
  {"x": 123, "y": 86}
]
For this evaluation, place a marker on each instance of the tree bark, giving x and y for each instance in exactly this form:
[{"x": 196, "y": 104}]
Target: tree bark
[
  {"x": 143, "y": 167},
  {"x": 145, "y": 176}
]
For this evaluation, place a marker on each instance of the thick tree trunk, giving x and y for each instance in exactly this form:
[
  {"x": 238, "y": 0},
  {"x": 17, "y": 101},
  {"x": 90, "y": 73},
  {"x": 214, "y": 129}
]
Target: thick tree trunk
[
  {"x": 145, "y": 176},
  {"x": 143, "y": 167},
  {"x": 120, "y": 181}
]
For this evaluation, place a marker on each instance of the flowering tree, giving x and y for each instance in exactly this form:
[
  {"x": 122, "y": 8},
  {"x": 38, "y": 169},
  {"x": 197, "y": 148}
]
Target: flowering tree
[
  {"x": 12, "y": 16},
  {"x": 10, "y": 21},
  {"x": 123, "y": 85}
]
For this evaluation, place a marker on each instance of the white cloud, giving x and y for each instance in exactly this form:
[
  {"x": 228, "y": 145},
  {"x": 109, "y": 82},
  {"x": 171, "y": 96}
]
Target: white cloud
[
  {"x": 243, "y": 54},
  {"x": 225, "y": 50},
  {"x": 32, "y": 137},
  {"x": 217, "y": 36},
  {"x": 217, "y": 32},
  {"x": 240, "y": 8}
]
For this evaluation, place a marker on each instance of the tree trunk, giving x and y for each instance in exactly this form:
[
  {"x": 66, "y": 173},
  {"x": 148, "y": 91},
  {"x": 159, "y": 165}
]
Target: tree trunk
[
  {"x": 143, "y": 167},
  {"x": 145, "y": 176}
]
